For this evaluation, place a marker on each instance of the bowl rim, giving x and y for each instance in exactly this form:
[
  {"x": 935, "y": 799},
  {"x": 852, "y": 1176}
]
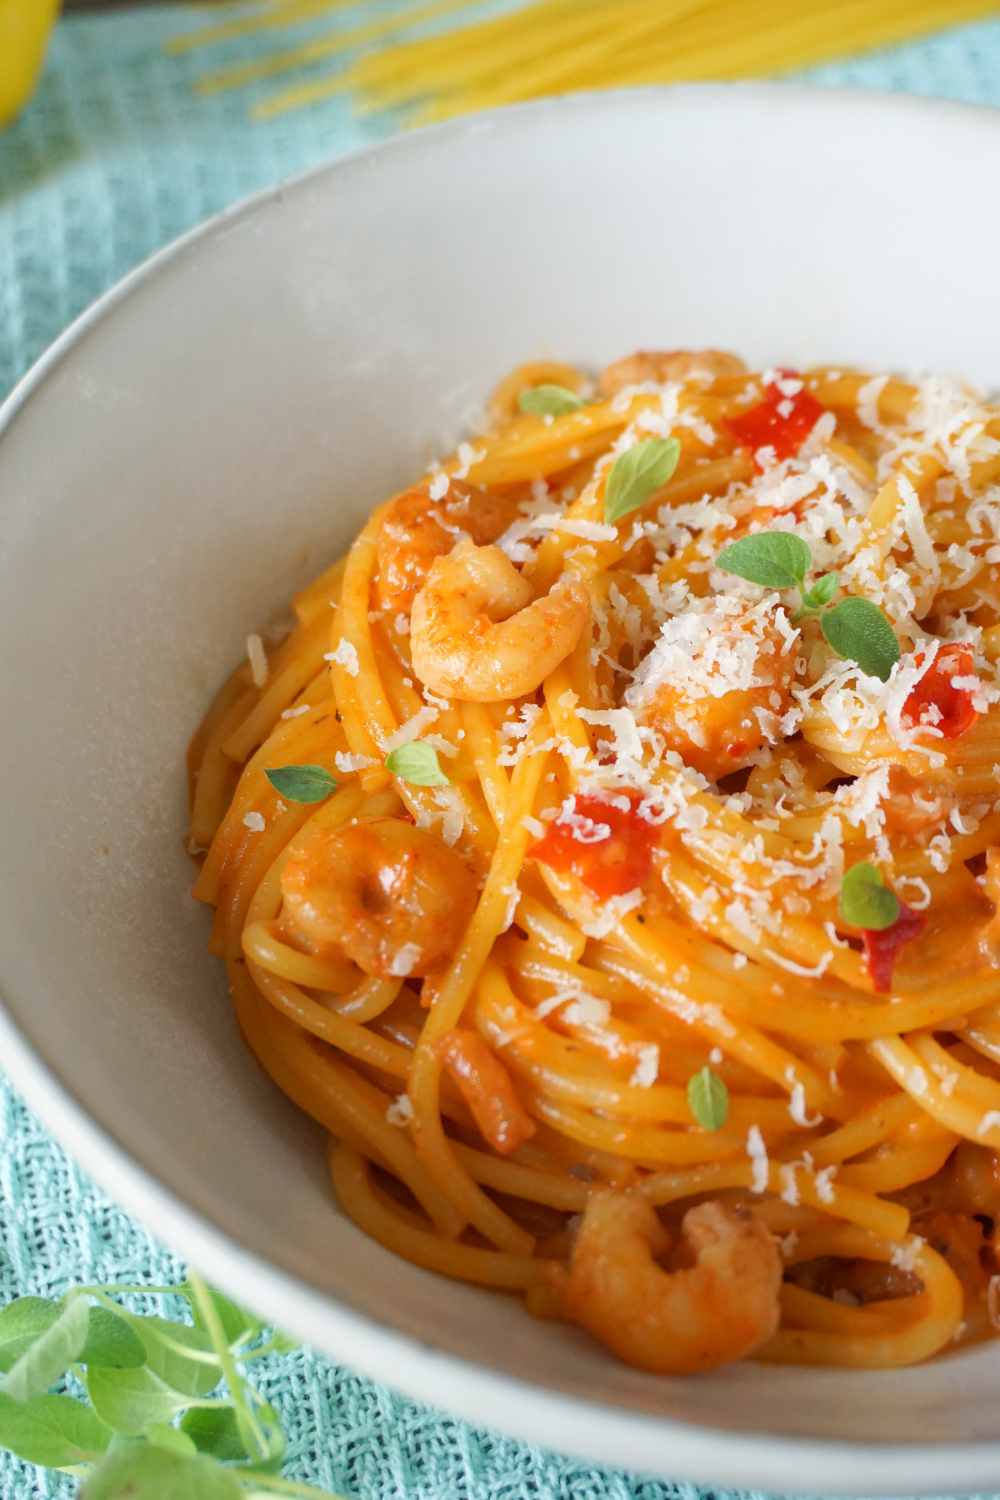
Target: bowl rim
[{"x": 603, "y": 1433}]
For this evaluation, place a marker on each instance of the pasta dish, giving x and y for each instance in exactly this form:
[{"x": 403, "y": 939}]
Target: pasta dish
[{"x": 608, "y": 857}]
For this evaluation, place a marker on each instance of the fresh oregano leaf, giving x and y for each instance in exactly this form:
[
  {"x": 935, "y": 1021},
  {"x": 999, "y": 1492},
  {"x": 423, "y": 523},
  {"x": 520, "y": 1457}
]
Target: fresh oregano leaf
[
  {"x": 111, "y": 1342},
  {"x": 708, "y": 1099},
  {"x": 130, "y": 1401},
  {"x": 142, "y": 1471},
  {"x": 773, "y": 559},
  {"x": 50, "y": 1355},
  {"x": 859, "y": 631},
  {"x": 162, "y": 1435},
  {"x": 548, "y": 400},
  {"x": 865, "y": 899},
  {"x": 302, "y": 783},
  {"x": 819, "y": 596},
  {"x": 214, "y": 1430},
  {"x": 237, "y": 1323},
  {"x": 416, "y": 763},
  {"x": 55, "y": 1432},
  {"x": 175, "y": 1352},
  {"x": 637, "y": 474},
  {"x": 21, "y": 1322}
]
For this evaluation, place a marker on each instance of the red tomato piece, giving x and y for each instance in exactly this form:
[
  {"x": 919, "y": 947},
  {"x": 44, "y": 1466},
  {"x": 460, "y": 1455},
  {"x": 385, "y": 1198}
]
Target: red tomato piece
[
  {"x": 778, "y": 421},
  {"x": 881, "y": 947},
  {"x": 608, "y": 847},
  {"x": 936, "y": 701}
]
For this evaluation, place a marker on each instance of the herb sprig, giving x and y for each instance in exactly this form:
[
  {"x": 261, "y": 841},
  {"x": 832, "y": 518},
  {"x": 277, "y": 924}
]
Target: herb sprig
[
  {"x": 708, "y": 1099},
  {"x": 416, "y": 762},
  {"x": 171, "y": 1414},
  {"x": 865, "y": 899},
  {"x": 549, "y": 400},
  {"x": 855, "y": 629},
  {"x": 637, "y": 474}
]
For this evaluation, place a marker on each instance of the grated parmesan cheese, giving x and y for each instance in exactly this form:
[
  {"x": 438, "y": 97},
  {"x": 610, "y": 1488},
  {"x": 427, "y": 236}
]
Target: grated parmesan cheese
[
  {"x": 345, "y": 655},
  {"x": 647, "y": 1067},
  {"x": 405, "y": 960},
  {"x": 759, "y": 1164},
  {"x": 254, "y": 821},
  {"x": 257, "y": 657},
  {"x": 400, "y": 1111}
]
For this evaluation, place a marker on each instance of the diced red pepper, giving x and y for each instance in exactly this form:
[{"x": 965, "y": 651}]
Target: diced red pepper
[
  {"x": 936, "y": 701},
  {"x": 881, "y": 947},
  {"x": 779, "y": 422},
  {"x": 608, "y": 847}
]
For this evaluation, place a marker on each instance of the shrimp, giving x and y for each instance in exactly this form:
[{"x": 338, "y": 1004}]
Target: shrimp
[
  {"x": 717, "y": 684},
  {"x": 673, "y": 1322},
  {"x": 486, "y": 1087},
  {"x": 659, "y": 365},
  {"x": 476, "y": 635},
  {"x": 387, "y": 894},
  {"x": 416, "y": 529}
]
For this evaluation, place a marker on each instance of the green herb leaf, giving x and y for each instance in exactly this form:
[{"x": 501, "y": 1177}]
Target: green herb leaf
[
  {"x": 21, "y": 1322},
  {"x": 51, "y": 1353},
  {"x": 53, "y": 1431},
  {"x": 111, "y": 1342},
  {"x": 859, "y": 631},
  {"x": 162, "y": 1435},
  {"x": 708, "y": 1099},
  {"x": 214, "y": 1430},
  {"x": 237, "y": 1323},
  {"x": 416, "y": 763},
  {"x": 302, "y": 783},
  {"x": 774, "y": 559},
  {"x": 130, "y": 1401},
  {"x": 174, "y": 1352},
  {"x": 865, "y": 899},
  {"x": 637, "y": 474},
  {"x": 140, "y": 1471},
  {"x": 549, "y": 401},
  {"x": 819, "y": 596}
]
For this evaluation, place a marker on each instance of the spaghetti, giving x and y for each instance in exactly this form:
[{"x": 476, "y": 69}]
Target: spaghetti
[{"x": 608, "y": 859}]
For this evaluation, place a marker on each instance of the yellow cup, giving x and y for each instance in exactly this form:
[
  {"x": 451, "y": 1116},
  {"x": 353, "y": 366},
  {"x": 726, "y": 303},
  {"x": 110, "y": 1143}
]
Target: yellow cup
[{"x": 24, "y": 32}]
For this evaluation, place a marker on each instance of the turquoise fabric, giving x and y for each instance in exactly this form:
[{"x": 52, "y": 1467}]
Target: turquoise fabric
[{"x": 115, "y": 157}]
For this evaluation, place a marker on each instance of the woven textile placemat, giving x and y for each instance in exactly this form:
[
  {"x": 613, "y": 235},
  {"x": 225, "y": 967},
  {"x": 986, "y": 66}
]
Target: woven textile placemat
[{"x": 115, "y": 157}]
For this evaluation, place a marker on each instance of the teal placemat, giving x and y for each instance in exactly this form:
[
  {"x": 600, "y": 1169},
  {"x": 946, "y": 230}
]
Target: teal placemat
[{"x": 114, "y": 158}]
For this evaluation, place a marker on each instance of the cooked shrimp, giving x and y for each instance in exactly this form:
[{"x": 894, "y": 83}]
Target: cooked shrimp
[
  {"x": 911, "y": 808},
  {"x": 969, "y": 1183},
  {"x": 960, "y": 1239},
  {"x": 666, "y": 364},
  {"x": 389, "y": 895},
  {"x": 673, "y": 1322},
  {"x": 486, "y": 1087},
  {"x": 477, "y": 636},
  {"x": 416, "y": 529},
  {"x": 717, "y": 684}
]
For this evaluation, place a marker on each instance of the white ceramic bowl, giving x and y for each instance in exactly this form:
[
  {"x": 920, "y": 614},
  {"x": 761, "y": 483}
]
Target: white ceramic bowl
[{"x": 204, "y": 441}]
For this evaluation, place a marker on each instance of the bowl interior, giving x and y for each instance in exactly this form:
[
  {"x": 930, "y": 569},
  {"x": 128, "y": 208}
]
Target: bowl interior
[{"x": 211, "y": 441}]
